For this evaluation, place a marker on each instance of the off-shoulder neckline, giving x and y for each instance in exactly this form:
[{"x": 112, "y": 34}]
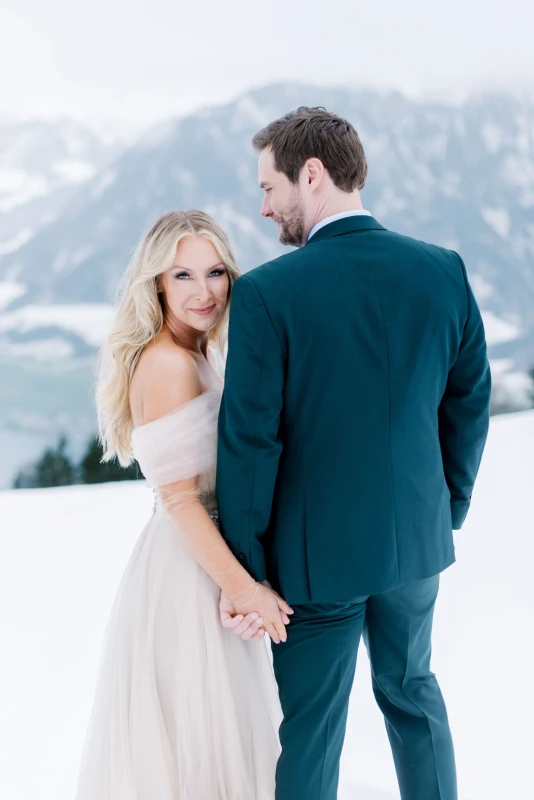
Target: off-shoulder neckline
[{"x": 178, "y": 408}]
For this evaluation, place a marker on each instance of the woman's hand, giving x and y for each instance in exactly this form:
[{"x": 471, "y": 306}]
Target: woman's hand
[
  {"x": 247, "y": 626},
  {"x": 272, "y": 610}
]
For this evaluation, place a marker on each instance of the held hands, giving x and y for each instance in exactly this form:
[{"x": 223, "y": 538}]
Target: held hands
[{"x": 257, "y": 610}]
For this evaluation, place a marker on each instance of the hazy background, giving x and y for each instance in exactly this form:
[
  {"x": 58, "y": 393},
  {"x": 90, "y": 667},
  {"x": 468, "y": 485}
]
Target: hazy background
[
  {"x": 143, "y": 61},
  {"x": 114, "y": 112}
]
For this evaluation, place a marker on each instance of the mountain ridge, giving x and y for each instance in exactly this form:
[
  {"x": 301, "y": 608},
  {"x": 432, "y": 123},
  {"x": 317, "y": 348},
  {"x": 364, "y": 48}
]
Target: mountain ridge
[{"x": 457, "y": 176}]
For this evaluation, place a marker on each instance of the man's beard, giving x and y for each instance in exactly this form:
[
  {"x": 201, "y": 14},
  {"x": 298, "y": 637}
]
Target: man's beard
[{"x": 291, "y": 223}]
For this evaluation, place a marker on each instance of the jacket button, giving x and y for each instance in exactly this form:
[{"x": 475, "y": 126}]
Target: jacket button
[{"x": 243, "y": 558}]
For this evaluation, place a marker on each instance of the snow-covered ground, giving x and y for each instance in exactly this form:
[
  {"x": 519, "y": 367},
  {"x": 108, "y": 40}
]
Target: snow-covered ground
[{"x": 62, "y": 552}]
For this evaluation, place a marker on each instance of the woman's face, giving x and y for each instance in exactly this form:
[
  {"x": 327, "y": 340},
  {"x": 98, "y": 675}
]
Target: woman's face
[{"x": 196, "y": 286}]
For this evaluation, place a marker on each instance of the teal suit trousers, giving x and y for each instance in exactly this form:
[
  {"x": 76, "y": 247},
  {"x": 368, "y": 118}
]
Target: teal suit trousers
[{"x": 315, "y": 671}]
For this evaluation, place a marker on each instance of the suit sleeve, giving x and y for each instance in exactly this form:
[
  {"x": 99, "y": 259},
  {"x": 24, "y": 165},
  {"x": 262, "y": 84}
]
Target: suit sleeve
[
  {"x": 464, "y": 411},
  {"x": 249, "y": 444}
]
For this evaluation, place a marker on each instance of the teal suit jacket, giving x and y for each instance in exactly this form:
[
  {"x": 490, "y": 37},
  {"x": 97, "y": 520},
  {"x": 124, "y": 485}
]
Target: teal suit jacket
[{"x": 354, "y": 415}]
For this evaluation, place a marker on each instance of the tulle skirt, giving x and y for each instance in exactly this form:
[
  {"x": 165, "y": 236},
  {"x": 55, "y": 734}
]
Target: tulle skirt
[{"x": 184, "y": 709}]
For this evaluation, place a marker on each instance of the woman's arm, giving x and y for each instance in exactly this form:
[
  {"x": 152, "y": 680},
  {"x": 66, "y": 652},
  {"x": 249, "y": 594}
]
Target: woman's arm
[{"x": 169, "y": 381}]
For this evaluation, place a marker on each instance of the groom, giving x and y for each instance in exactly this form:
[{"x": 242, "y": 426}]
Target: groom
[{"x": 352, "y": 426}]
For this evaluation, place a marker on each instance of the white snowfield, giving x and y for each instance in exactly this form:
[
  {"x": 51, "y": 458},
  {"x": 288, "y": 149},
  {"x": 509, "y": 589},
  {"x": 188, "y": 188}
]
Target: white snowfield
[{"x": 62, "y": 552}]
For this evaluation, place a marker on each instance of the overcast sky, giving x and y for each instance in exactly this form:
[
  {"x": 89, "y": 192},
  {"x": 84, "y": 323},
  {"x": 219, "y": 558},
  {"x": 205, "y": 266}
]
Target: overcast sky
[{"x": 145, "y": 61}]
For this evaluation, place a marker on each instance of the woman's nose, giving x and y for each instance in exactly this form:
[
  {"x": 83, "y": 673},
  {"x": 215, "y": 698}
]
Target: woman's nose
[{"x": 203, "y": 291}]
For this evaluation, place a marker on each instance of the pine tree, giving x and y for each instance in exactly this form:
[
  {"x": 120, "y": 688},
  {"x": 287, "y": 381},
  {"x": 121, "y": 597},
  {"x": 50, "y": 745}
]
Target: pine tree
[
  {"x": 54, "y": 467},
  {"x": 26, "y": 478},
  {"x": 531, "y": 376},
  {"x": 92, "y": 470}
]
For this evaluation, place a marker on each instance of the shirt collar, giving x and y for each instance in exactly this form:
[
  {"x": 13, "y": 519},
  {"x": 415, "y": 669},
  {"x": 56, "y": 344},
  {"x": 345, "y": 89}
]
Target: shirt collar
[{"x": 334, "y": 217}]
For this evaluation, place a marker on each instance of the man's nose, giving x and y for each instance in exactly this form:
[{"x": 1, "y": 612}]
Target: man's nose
[{"x": 266, "y": 210}]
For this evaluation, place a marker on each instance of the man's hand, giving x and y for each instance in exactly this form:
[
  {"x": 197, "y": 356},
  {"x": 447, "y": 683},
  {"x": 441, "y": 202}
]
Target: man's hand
[
  {"x": 248, "y": 627},
  {"x": 285, "y": 609},
  {"x": 252, "y": 626}
]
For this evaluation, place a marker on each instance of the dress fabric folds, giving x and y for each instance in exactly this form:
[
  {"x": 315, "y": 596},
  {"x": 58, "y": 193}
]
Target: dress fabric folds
[{"x": 184, "y": 709}]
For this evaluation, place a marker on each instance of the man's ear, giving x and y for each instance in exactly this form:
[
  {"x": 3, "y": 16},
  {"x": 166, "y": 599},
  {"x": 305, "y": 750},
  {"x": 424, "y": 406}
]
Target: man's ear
[{"x": 314, "y": 172}]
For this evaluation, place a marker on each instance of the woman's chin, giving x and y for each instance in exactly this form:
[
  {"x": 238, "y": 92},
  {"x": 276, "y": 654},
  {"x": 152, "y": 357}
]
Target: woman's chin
[{"x": 204, "y": 324}]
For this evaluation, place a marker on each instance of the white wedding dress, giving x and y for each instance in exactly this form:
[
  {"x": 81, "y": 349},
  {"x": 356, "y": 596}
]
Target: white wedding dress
[{"x": 184, "y": 709}]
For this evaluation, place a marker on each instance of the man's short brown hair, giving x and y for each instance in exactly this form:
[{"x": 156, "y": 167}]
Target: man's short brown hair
[{"x": 315, "y": 133}]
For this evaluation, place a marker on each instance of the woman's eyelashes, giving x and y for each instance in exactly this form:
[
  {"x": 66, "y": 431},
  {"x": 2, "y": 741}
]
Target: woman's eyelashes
[{"x": 216, "y": 273}]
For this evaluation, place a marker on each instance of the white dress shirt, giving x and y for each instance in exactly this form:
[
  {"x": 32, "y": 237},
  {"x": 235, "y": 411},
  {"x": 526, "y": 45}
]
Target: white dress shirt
[{"x": 334, "y": 218}]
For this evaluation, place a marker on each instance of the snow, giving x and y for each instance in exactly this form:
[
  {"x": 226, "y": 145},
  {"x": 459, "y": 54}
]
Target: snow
[
  {"x": 158, "y": 135},
  {"x": 481, "y": 287},
  {"x": 12, "y": 179},
  {"x": 492, "y": 136},
  {"x": 15, "y": 242},
  {"x": 91, "y": 321},
  {"x": 497, "y": 329},
  {"x": 184, "y": 176},
  {"x": 498, "y": 219},
  {"x": 9, "y": 291},
  {"x": 60, "y": 261},
  {"x": 80, "y": 254},
  {"x": 511, "y": 388},
  {"x": 518, "y": 170},
  {"x": 51, "y": 349},
  {"x": 452, "y": 182},
  {"x": 499, "y": 366},
  {"x": 247, "y": 110},
  {"x": 62, "y": 552},
  {"x": 18, "y": 447},
  {"x": 239, "y": 225},
  {"x": 527, "y": 200},
  {"x": 73, "y": 171},
  {"x": 18, "y": 187},
  {"x": 102, "y": 184},
  {"x": 106, "y": 224},
  {"x": 389, "y": 202}
]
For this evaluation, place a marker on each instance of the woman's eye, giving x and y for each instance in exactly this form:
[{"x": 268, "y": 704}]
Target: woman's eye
[{"x": 184, "y": 275}]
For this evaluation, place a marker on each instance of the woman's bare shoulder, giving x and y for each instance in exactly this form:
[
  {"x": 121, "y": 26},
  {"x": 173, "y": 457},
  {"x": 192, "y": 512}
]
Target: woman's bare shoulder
[
  {"x": 163, "y": 352},
  {"x": 165, "y": 378}
]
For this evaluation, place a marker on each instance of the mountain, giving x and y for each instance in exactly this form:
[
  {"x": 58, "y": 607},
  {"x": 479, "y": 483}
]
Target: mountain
[
  {"x": 42, "y": 164},
  {"x": 462, "y": 177}
]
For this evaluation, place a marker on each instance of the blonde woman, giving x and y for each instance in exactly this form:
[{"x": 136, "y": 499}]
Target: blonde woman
[{"x": 184, "y": 710}]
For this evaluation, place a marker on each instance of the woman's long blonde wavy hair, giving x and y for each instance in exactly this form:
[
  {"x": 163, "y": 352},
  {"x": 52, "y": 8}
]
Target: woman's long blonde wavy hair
[{"x": 139, "y": 320}]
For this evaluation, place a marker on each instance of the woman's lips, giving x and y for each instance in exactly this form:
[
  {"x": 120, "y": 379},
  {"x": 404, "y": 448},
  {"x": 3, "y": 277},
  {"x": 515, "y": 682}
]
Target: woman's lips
[{"x": 203, "y": 311}]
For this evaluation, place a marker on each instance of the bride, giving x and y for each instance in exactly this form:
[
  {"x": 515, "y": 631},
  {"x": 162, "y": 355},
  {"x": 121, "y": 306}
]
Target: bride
[{"x": 184, "y": 709}]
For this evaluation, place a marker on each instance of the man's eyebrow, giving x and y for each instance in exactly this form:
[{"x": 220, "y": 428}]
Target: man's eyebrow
[{"x": 264, "y": 184}]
